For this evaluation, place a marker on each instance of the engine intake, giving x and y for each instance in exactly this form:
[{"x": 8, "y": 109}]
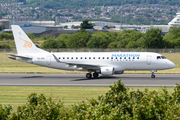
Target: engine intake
[{"x": 107, "y": 70}]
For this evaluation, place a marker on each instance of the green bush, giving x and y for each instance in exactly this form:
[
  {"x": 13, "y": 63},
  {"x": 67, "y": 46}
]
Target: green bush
[
  {"x": 39, "y": 107},
  {"x": 5, "y": 112},
  {"x": 5, "y": 46},
  {"x": 50, "y": 43},
  {"x": 118, "y": 103},
  {"x": 6, "y": 36}
]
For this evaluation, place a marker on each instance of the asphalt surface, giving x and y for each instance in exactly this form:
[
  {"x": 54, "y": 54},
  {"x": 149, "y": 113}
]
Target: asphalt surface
[{"x": 130, "y": 80}]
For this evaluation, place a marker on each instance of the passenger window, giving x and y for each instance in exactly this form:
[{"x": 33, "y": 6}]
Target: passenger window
[
  {"x": 81, "y": 57},
  {"x": 103, "y": 57},
  {"x": 116, "y": 57},
  {"x": 133, "y": 57},
  {"x": 98, "y": 57},
  {"x": 111, "y": 57},
  {"x": 120, "y": 57},
  {"x": 107, "y": 57},
  {"x": 63, "y": 57},
  {"x": 124, "y": 57},
  {"x": 67, "y": 57},
  {"x": 76, "y": 57},
  {"x": 93, "y": 57},
  {"x": 85, "y": 58},
  {"x": 129, "y": 57},
  {"x": 89, "y": 57},
  {"x": 71, "y": 57},
  {"x": 59, "y": 57},
  {"x": 137, "y": 57},
  {"x": 158, "y": 57}
]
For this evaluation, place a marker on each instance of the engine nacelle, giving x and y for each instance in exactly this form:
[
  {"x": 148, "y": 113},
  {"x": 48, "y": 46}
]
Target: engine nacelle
[
  {"x": 107, "y": 70},
  {"x": 119, "y": 72}
]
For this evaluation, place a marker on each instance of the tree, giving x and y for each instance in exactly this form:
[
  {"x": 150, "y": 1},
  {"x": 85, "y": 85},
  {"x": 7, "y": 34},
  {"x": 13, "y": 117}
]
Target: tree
[
  {"x": 1, "y": 27},
  {"x": 65, "y": 26},
  {"x": 78, "y": 39},
  {"x": 99, "y": 40},
  {"x": 172, "y": 38},
  {"x": 86, "y": 25},
  {"x": 5, "y": 46},
  {"x": 61, "y": 40},
  {"x": 50, "y": 43},
  {"x": 153, "y": 39}
]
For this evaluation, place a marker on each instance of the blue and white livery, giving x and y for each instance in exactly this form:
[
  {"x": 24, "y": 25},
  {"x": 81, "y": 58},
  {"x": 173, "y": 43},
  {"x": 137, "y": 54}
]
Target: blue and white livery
[{"x": 104, "y": 63}]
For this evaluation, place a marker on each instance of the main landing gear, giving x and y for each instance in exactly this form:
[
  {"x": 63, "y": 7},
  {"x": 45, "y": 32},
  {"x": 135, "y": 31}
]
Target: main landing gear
[
  {"x": 89, "y": 75},
  {"x": 153, "y": 76}
]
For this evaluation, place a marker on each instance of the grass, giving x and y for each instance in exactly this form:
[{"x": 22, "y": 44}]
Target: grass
[
  {"x": 11, "y": 66},
  {"x": 16, "y": 96}
]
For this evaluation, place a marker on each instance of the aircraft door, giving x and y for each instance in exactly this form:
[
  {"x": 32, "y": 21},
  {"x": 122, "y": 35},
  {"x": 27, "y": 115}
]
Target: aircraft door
[
  {"x": 148, "y": 60},
  {"x": 48, "y": 60}
]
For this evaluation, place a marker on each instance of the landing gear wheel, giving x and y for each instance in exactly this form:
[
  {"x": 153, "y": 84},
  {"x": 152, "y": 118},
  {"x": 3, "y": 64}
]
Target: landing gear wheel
[
  {"x": 88, "y": 75},
  {"x": 152, "y": 76},
  {"x": 95, "y": 75}
]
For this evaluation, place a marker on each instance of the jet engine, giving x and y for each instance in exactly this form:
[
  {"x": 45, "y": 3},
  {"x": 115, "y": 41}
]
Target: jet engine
[{"x": 107, "y": 70}]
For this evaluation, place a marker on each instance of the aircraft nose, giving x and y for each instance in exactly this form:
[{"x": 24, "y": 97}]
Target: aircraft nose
[{"x": 171, "y": 64}]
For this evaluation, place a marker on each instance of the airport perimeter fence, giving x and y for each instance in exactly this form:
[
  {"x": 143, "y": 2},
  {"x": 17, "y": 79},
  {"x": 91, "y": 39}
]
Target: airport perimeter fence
[{"x": 172, "y": 50}]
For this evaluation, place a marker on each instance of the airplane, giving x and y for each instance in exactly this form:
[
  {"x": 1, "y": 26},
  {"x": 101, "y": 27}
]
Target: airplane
[{"x": 104, "y": 63}]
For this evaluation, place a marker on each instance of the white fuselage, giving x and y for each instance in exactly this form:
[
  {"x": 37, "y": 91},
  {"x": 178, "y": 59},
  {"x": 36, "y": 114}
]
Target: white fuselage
[
  {"x": 120, "y": 61},
  {"x": 104, "y": 63}
]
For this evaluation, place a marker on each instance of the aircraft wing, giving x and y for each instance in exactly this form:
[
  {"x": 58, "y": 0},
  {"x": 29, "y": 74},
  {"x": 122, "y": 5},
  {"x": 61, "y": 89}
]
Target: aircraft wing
[
  {"x": 78, "y": 65},
  {"x": 14, "y": 56}
]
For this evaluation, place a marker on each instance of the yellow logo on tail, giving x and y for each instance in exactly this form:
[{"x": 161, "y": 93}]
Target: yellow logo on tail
[{"x": 26, "y": 44}]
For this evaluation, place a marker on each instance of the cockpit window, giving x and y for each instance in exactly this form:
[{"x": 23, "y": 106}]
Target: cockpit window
[
  {"x": 163, "y": 57},
  {"x": 158, "y": 57}
]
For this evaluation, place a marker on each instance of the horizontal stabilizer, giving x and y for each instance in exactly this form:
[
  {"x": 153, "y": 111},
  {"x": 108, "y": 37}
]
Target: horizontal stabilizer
[{"x": 18, "y": 56}]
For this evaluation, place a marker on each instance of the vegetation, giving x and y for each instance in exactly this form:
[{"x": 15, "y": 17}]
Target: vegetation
[
  {"x": 6, "y": 36},
  {"x": 172, "y": 38},
  {"x": 121, "y": 39},
  {"x": 86, "y": 25},
  {"x": 118, "y": 103},
  {"x": 17, "y": 95},
  {"x": 1, "y": 26},
  {"x": 63, "y": 4},
  {"x": 4, "y": 46}
]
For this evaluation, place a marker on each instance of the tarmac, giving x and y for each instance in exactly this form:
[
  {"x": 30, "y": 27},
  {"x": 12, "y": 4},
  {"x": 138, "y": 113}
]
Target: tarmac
[{"x": 129, "y": 80}]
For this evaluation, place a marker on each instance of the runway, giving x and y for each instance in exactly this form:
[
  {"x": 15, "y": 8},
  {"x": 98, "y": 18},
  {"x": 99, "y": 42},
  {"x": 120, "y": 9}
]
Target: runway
[{"x": 130, "y": 80}]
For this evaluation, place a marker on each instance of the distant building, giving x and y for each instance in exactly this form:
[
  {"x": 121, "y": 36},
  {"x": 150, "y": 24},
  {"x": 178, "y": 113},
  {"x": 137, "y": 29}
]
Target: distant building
[
  {"x": 99, "y": 27},
  {"x": 5, "y": 23},
  {"x": 40, "y": 29},
  {"x": 37, "y": 26},
  {"x": 33, "y": 23},
  {"x": 59, "y": 19}
]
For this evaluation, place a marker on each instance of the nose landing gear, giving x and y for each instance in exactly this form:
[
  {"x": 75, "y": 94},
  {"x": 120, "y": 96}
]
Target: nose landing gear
[{"x": 153, "y": 76}]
